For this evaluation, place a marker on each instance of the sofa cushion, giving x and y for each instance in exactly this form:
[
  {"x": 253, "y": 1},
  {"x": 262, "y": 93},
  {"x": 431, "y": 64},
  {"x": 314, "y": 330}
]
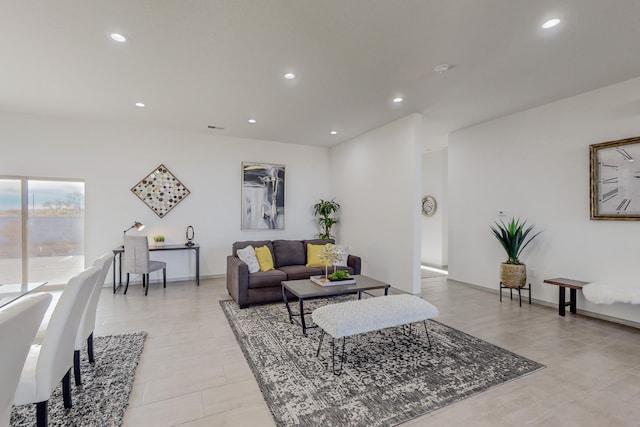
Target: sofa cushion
[
  {"x": 343, "y": 251},
  {"x": 266, "y": 279},
  {"x": 254, "y": 243},
  {"x": 265, "y": 259},
  {"x": 297, "y": 272},
  {"x": 313, "y": 255},
  {"x": 248, "y": 256},
  {"x": 288, "y": 252},
  {"x": 315, "y": 242},
  {"x": 319, "y": 241}
]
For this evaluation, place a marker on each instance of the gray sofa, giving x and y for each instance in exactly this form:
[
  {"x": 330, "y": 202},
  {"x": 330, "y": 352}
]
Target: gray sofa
[{"x": 289, "y": 259}]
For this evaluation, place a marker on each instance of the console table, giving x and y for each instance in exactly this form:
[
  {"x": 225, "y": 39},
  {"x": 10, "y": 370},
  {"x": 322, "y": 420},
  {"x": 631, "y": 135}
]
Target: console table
[
  {"x": 573, "y": 286},
  {"x": 117, "y": 254}
]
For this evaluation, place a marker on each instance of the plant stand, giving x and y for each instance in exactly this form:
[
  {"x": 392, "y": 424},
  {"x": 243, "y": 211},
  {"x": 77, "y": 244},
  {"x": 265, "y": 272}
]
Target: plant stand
[{"x": 519, "y": 292}]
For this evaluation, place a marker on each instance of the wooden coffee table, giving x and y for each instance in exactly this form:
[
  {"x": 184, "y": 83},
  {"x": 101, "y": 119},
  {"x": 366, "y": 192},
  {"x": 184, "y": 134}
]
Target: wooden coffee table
[
  {"x": 305, "y": 289},
  {"x": 573, "y": 286}
]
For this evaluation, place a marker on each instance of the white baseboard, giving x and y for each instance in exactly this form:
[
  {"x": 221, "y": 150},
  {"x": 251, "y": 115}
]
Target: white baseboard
[
  {"x": 525, "y": 297},
  {"x": 169, "y": 280}
]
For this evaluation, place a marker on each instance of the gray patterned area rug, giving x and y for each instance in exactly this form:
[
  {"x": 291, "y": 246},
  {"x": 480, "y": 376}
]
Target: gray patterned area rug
[
  {"x": 389, "y": 377},
  {"x": 104, "y": 394}
]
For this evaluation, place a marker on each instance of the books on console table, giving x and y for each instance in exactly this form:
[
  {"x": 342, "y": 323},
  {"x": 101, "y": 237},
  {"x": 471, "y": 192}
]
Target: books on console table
[{"x": 320, "y": 280}]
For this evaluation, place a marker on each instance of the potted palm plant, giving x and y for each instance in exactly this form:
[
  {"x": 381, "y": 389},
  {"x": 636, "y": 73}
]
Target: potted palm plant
[
  {"x": 323, "y": 210},
  {"x": 514, "y": 237}
]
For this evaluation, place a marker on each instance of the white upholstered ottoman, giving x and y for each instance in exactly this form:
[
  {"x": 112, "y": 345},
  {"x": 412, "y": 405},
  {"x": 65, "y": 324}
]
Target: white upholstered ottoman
[{"x": 349, "y": 318}]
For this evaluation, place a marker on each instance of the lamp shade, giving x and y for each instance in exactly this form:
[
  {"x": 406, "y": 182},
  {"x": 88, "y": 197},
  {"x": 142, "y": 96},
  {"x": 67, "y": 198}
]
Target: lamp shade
[{"x": 137, "y": 225}]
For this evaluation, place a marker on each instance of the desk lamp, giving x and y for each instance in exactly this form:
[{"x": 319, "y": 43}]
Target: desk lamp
[{"x": 137, "y": 225}]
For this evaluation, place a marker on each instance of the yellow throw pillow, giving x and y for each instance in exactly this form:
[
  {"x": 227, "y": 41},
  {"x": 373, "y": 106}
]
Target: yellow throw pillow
[
  {"x": 312, "y": 255},
  {"x": 264, "y": 258}
]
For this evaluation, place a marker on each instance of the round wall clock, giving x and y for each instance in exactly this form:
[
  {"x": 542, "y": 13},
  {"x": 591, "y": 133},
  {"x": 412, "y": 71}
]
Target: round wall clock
[{"x": 429, "y": 205}]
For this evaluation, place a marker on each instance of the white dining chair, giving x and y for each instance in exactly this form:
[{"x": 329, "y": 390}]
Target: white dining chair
[
  {"x": 51, "y": 361},
  {"x": 136, "y": 261},
  {"x": 88, "y": 321},
  {"x": 19, "y": 323}
]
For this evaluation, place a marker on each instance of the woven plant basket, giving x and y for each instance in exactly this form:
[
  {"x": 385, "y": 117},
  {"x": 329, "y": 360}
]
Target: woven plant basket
[{"x": 513, "y": 275}]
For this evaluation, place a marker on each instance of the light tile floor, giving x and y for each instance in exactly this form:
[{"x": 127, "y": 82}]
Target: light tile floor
[{"x": 192, "y": 371}]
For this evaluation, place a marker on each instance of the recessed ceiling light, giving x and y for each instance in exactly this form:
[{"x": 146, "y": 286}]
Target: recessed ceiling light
[
  {"x": 289, "y": 76},
  {"x": 252, "y": 121},
  {"x": 118, "y": 37},
  {"x": 140, "y": 104},
  {"x": 550, "y": 23},
  {"x": 398, "y": 100},
  {"x": 334, "y": 132}
]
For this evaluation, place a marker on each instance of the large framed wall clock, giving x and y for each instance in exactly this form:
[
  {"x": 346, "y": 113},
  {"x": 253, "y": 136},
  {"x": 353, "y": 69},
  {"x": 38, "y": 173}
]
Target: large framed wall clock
[
  {"x": 615, "y": 180},
  {"x": 429, "y": 205}
]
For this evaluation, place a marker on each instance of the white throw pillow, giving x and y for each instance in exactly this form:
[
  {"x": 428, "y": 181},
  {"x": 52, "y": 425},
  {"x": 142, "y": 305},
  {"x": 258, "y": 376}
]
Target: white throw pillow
[
  {"x": 248, "y": 255},
  {"x": 343, "y": 251}
]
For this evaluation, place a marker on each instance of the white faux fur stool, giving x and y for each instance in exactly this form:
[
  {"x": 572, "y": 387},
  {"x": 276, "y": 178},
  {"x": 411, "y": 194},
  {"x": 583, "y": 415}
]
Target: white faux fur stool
[{"x": 349, "y": 318}]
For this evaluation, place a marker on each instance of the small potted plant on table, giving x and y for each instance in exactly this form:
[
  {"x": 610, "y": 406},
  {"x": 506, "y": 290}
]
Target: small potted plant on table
[
  {"x": 158, "y": 240},
  {"x": 338, "y": 275}
]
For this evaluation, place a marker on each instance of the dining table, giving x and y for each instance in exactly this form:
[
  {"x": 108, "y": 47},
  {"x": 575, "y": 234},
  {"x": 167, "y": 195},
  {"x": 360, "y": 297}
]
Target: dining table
[{"x": 11, "y": 292}]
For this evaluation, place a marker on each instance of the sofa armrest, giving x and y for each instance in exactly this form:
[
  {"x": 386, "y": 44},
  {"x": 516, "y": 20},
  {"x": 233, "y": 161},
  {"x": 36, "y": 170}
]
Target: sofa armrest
[
  {"x": 238, "y": 280},
  {"x": 354, "y": 262}
]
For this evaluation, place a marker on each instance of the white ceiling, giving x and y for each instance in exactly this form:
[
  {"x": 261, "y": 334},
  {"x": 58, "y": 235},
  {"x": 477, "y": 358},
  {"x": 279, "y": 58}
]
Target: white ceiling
[{"x": 197, "y": 63}]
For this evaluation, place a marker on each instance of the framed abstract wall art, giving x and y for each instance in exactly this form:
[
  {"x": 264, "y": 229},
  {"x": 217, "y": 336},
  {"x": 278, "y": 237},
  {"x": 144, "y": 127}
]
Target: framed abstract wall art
[
  {"x": 161, "y": 191},
  {"x": 615, "y": 179},
  {"x": 262, "y": 196}
]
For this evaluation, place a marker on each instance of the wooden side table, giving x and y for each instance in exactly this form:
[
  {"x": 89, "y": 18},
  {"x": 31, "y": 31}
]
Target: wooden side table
[{"x": 562, "y": 284}]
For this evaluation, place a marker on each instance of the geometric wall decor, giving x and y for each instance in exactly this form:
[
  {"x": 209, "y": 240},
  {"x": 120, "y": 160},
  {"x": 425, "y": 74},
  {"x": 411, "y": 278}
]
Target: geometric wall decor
[
  {"x": 160, "y": 190},
  {"x": 262, "y": 196}
]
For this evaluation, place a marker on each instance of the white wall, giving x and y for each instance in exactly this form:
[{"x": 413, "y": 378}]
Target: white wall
[
  {"x": 376, "y": 178},
  {"x": 434, "y": 231},
  {"x": 535, "y": 165},
  {"x": 112, "y": 159}
]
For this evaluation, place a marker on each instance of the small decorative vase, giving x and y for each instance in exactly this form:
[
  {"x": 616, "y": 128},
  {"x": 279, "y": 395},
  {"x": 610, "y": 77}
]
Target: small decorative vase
[
  {"x": 513, "y": 275},
  {"x": 159, "y": 243}
]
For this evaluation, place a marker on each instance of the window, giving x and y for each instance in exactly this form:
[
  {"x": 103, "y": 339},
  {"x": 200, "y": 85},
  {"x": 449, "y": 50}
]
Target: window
[{"x": 41, "y": 229}]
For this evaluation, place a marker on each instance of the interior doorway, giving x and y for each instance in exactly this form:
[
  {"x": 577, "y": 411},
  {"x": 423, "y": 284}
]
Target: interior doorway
[{"x": 434, "y": 239}]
